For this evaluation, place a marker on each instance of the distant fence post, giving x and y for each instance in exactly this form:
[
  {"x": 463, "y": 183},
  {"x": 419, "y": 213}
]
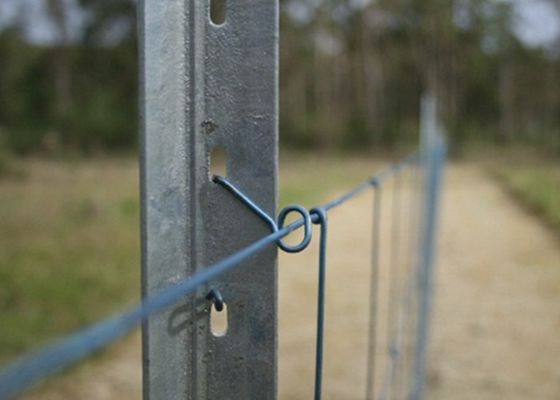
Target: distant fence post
[
  {"x": 433, "y": 153},
  {"x": 209, "y": 72}
]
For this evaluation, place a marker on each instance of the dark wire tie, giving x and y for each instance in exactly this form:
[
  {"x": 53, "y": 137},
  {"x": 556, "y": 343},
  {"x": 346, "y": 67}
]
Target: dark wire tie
[
  {"x": 307, "y": 232},
  {"x": 274, "y": 226}
]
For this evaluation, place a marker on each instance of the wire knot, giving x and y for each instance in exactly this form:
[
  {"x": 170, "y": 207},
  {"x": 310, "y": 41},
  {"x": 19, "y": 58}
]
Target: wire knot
[{"x": 279, "y": 224}]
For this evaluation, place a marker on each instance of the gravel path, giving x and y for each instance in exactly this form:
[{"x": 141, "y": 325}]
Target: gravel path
[{"x": 496, "y": 332}]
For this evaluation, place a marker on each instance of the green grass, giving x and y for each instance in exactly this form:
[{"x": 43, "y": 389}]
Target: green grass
[
  {"x": 69, "y": 239},
  {"x": 68, "y": 249},
  {"x": 309, "y": 179},
  {"x": 536, "y": 184}
]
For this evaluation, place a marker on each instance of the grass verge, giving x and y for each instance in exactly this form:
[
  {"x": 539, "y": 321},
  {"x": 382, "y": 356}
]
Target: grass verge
[
  {"x": 536, "y": 185},
  {"x": 68, "y": 248}
]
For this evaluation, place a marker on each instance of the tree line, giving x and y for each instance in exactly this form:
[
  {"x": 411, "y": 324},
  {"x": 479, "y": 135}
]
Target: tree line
[{"x": 352, "y": 74}]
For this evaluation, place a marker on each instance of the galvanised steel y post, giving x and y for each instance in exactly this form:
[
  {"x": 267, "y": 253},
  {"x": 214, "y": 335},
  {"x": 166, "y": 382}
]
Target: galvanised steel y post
[{"x": 205, "y": 85}]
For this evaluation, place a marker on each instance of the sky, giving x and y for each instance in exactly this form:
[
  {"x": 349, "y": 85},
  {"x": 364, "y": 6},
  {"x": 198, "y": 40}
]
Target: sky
[
  {"x": 38, "y": 27},
  {"x": 537, "y": 22}
]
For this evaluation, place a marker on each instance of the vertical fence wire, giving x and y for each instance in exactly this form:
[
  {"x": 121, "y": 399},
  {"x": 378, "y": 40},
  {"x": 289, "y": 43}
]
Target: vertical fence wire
[
  {"x": 393, "y": 323},
  {"x": 374, "y": 293},
  {"x": 405, "y": 312},
  {"x": 322, "y": 276},
  {"x": 410, "y": 226}
]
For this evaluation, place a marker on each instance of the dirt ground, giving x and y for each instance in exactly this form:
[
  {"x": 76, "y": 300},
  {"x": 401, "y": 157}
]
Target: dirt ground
[{"x": 496, "y": 321}]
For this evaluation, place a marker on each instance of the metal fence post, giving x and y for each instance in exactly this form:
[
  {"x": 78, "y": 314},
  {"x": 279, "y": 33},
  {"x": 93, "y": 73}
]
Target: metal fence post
[
  {"x": 208, "y": 84},
  {"x": 433, "y": 154}
]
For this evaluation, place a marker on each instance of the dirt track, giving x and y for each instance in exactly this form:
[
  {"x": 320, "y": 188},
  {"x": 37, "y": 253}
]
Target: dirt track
[
  {"x": 497, "y": 322},
  {"x": 497, "y": 315}
]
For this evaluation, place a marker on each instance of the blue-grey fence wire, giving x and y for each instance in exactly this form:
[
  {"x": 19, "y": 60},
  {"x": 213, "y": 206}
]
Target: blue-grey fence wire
[{"x": 396, "y": 367}]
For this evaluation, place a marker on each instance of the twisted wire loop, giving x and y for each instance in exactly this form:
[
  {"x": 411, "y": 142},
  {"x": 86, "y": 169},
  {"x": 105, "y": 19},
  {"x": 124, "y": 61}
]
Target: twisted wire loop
[{"x": 277, "y": 225}]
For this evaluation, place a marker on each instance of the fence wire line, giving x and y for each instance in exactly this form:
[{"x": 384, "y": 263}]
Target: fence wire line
[{"x": 22, "y": 374}]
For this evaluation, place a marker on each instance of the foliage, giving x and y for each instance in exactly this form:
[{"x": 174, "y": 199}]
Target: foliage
[
  {"x": 71, "y": 95},
  {"x": 352, "y": 74}
]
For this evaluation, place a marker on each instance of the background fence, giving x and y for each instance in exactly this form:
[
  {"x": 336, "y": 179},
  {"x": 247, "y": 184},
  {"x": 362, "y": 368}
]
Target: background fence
[{"x": 396, "y": 358}]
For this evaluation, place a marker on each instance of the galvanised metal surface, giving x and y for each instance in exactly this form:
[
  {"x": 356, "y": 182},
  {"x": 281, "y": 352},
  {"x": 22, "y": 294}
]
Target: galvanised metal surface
[
  {"x": 208, "y": 86},
  {"x": 434, "y": 155}
]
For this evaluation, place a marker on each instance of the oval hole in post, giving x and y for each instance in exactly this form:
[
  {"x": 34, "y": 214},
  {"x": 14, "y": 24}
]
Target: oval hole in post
[
  {"x": 218, "y": 11},
  {"x": 218, "y": 162},
  {"x": 219, "y": 321}
]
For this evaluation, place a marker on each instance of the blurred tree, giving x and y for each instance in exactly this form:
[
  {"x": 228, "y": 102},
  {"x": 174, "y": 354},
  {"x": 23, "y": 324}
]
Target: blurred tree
[
  {"x": 57, "y": 10},
  {"x": 110, "y": 22},
  {"x": 352, "y": 73}
]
